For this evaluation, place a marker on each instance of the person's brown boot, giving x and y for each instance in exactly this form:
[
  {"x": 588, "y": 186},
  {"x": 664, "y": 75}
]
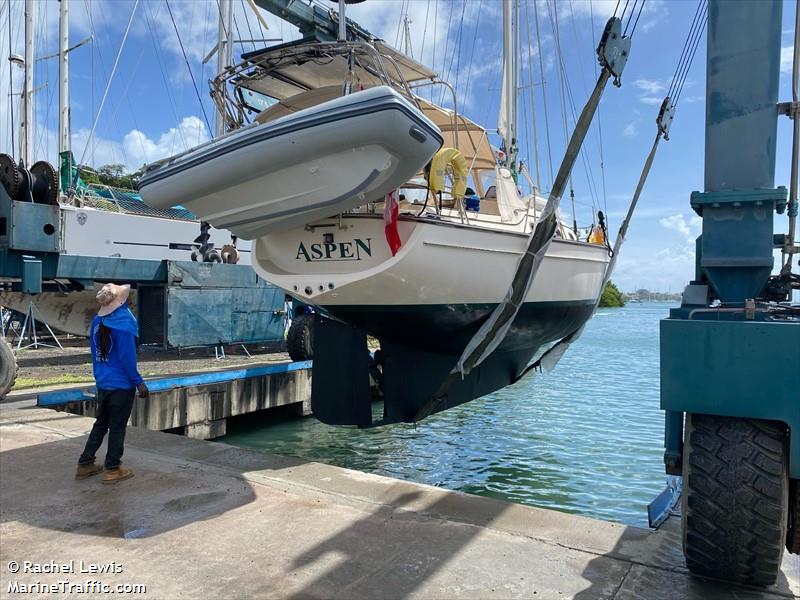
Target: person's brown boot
[
  {"x": 117, "y": 474},
  {"x": 87, "y": 470}
]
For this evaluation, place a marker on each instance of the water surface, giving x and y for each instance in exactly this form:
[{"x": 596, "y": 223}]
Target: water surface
[{"x": 586, "y": 438}]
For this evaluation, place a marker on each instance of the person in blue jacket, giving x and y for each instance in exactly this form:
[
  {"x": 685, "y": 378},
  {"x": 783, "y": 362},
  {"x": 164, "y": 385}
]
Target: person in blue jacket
[{"x": 112, "y": 341}]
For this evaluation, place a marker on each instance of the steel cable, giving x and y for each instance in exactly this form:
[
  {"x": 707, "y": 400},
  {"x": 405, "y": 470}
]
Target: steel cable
[{"x": 188, "y": 66}]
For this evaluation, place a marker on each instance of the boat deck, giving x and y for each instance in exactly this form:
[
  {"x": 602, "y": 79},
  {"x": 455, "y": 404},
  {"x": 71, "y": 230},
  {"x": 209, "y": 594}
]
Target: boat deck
[{"x": 202, "y": 519}]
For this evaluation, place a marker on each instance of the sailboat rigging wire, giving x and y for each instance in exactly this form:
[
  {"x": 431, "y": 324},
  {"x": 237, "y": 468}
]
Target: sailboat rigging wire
[
  {"x": 188, "y": 66},
  {"x": 435, "y": 35},
  {"x": 425, "y": 32},
  {"x": 108, "y": 83},
  {"x": 10, "y": 80},
  {"x": 544, "y": 91},
  {"x": 247, "y": 22},
  {"x": 553, "y": 13},
  {"x": 163, "y": 71},
  {"x": 494, "y": 329},
  {"x": 399, "y": 23},
  {"x": 457, "y": 53},
  {"x": 457, "y": 56},
  {"x": 532, "y": 92},
  {"x": 472, "y": 52},
  {"x": 599, "y": 128}
]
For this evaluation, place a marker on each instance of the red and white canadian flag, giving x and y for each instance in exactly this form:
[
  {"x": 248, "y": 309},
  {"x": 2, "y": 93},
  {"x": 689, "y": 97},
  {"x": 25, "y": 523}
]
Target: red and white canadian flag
[{"x": 391, "y": 210}]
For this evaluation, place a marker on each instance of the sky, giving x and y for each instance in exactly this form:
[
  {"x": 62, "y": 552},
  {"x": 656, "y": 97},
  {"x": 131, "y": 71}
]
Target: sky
[{"x": 157, "y": 104}]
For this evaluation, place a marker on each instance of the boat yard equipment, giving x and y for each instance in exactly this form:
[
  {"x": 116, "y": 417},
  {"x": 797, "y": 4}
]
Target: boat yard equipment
[
  {"x": 729, "y": 377},
  {"x": 44, "y": 251}
]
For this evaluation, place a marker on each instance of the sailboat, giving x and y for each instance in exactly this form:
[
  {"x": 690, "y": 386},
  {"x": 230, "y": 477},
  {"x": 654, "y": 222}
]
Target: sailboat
[{"x": 426, "y": 298}]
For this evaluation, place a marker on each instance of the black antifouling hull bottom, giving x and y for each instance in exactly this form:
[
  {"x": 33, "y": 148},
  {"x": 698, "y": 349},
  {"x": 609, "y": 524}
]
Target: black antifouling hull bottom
[{"x": 412, "y": 373}]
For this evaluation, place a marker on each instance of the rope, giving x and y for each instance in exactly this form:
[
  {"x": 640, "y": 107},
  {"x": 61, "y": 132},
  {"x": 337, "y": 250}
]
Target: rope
[
  {"x": 186, "y": 60},
  {"x": 108, "y": 83}
]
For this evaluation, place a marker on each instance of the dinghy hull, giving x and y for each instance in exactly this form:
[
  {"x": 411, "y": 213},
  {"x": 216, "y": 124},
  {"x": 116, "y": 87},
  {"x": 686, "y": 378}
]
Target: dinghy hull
[{"x": 300, "y": 168}]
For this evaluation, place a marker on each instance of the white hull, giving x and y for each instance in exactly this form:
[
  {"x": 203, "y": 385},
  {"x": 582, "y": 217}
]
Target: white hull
[
  {"x": 300, "y": 168},
  {"x": 92, "y": 232},
  {"x": 438, "y": 264}
]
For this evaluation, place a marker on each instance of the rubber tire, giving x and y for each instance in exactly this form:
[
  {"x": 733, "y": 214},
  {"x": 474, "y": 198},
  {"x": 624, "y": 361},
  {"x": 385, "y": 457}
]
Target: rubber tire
[
  {"x": 793, "y": 536},
  {"x": 299, "y": 339},
  {"x": 735, "y": 501},
  {"x": 8, "y": 367}
]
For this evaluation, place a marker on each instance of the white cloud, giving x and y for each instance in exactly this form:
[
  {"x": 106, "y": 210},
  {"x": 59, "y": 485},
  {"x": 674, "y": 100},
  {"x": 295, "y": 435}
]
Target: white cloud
[
  {"x": 651, "y": 86},
  {"x": 653, "y": 100},
  {"x": 137, "y": 148},
  {"x": 787, "y": 58},
  {"x": 631, "y": 129},
  {"x": 688, "y": 228}
]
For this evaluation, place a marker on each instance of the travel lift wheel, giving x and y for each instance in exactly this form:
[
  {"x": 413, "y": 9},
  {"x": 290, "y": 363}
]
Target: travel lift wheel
[
  {"x": 735, "y": 503},
  {"x": 8, "y": 367},
  {"x": 299, "y": 339}
]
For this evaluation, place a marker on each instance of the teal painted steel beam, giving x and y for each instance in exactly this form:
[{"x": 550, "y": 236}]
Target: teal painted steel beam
[
  {"x": 742, "y": 76},
  {"x": 734, "y": 369}
]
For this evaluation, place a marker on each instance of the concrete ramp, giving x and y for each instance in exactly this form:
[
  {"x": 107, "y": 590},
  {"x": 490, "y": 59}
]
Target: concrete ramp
[{"x": 204, "y": 520}]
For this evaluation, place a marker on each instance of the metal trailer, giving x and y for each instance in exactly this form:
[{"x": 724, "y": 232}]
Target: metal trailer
[{"x": 730, "y": 376}]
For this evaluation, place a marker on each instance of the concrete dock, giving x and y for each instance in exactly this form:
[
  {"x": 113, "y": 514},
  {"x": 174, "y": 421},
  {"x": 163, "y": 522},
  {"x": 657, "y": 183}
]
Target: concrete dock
[{"x": 205, "y": 520}]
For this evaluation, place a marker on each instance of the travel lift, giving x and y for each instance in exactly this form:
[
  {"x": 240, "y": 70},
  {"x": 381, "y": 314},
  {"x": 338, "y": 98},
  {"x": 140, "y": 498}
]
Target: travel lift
[{"x": 730, "y": 355}]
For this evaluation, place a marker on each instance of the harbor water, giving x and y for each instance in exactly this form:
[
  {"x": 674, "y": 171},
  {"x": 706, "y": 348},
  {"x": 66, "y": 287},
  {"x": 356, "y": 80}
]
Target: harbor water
[{"x": 586, "y": 438}]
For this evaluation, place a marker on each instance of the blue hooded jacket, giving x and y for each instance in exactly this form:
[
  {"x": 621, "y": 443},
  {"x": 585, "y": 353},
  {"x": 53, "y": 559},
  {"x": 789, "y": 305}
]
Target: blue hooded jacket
[{"x": 118, "y": 371}]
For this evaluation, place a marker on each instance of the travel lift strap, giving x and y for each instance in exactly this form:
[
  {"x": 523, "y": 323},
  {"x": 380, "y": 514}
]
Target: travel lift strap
[
  {"x": 612, "y": 54},
  {"x": 550, "y": 359}
]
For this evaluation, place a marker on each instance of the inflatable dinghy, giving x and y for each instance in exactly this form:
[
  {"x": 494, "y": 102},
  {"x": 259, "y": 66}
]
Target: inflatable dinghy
[{"x": 298, "y": 169}]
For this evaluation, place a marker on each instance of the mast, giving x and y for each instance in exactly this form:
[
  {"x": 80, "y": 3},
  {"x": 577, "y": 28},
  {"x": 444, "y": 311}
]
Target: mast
[
  {"x": 26, "y": 124},
  {"x": 224, "y": 53},
  {"x": 507, "y": 122},
  {"x": 342, "y": 21},
  {"x": 63, "y": 77}
]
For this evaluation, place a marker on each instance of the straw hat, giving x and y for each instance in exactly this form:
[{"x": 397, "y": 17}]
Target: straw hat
[{"x": 111, "y": 297}]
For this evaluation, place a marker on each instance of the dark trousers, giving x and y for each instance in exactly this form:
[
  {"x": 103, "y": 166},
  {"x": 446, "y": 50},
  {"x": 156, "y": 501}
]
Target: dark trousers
[{"x": 113, "y": 410}]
